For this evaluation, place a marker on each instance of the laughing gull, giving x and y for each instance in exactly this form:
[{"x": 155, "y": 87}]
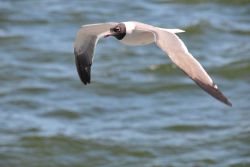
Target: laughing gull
[{"x": 136, "y": 33}]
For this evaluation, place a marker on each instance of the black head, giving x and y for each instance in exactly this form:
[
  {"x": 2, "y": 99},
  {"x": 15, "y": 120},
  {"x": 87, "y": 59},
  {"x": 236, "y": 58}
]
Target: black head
[{"x": 119, "y": 31}]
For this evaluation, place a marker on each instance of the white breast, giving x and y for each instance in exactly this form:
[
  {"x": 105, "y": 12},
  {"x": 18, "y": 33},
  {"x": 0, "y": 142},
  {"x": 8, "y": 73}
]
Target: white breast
[{"x": 138, "y": 38}]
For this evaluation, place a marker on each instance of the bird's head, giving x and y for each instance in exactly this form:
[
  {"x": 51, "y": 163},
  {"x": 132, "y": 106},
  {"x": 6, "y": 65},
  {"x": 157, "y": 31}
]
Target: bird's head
[{"x": 119, "y": 31}]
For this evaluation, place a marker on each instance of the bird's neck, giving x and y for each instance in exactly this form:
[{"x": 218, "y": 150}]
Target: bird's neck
[{"x": 130, "y": 26}]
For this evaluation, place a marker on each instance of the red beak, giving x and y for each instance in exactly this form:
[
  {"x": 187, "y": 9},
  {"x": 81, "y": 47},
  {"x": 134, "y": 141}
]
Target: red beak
[{"x": 109, "y": 34}]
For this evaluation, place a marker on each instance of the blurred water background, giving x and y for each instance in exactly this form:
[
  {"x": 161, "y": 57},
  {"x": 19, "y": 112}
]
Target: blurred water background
[{"x": 139, "y": 110}]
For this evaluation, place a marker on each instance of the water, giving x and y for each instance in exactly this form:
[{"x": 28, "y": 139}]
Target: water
[{"x": 140, "y": 110}]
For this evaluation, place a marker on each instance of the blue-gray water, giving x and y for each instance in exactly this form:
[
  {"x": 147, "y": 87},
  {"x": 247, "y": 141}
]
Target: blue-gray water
[{"x": 139, "y": 110}]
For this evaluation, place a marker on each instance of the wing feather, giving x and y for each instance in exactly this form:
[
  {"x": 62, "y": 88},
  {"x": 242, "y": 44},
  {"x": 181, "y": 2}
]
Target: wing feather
[
  {"x": 178, "y": 53},
  {"x": 84, "y": 47},
  {"x": 173, "y": 46}
]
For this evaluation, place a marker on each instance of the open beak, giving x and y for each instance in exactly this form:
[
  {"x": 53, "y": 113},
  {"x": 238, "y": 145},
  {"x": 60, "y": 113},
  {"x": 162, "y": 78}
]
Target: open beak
[{"x": 109, "y": 34}]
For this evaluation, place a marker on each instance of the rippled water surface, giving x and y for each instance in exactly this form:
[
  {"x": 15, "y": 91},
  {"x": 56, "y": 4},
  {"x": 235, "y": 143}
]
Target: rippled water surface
[{"x": 139, "y": 110}]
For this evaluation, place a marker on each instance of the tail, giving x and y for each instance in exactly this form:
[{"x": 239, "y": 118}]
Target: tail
[{"x": 173, "y": 30}]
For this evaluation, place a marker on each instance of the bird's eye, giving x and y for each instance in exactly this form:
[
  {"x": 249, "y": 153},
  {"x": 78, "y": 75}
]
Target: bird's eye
[{"x": 117, "y": 29}]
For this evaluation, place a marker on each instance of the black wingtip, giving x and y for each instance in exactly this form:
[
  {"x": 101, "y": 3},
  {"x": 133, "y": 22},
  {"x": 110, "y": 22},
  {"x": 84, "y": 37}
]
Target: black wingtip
[
  {"x": 85, "y": 74},
  {"x": 83, "y": 66},
  {"x": 215, "y": 92},
  {"x": 229, "y": 103}
]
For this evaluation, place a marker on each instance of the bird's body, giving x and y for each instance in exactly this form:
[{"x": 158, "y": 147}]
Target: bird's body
[
  {"x": 135, "y": 37},
  {"x": 138, "y": 38},
  {"x": 136, "y": 33}
]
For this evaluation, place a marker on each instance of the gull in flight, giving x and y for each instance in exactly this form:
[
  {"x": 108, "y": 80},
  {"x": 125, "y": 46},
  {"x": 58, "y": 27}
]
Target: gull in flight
[{"x": 136, "y": 33}]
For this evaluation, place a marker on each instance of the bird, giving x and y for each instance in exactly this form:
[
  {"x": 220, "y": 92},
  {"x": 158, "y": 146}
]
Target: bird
[{"x": 137, "y": 33}]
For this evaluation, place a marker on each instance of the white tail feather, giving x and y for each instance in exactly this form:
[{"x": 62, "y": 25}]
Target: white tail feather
[{"x": 173, "y": 30}]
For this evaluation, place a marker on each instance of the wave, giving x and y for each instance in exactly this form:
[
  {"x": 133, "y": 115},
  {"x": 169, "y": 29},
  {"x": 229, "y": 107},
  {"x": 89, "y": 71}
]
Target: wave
[
  {"x": 62, "y": 113},
  {"x": 235, "y": 70},
  {"x": 198, "y": 27},
  {"x": 238, "y": 2}
]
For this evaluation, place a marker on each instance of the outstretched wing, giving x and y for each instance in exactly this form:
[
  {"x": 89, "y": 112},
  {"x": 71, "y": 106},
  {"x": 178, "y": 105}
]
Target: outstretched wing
[
  {"x": 178, "y": 53},
  {"x": 84, "y": 46},
  {"x": 172, "y": 45}
]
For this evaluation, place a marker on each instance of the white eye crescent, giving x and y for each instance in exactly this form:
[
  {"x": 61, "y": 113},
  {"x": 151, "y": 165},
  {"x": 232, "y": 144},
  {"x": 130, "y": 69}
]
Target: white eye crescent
[{"x": 117, "y": 29}]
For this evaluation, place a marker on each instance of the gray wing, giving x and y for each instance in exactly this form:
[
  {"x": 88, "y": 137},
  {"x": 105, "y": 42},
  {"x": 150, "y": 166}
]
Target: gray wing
[
  {"x": 84, "y": 46},
  {"x": 178, "y": 53},
  {"x": 172, "y": 45}
]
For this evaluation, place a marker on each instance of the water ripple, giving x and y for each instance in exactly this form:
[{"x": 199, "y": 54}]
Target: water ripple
[{"x": 140, "y": 109}]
